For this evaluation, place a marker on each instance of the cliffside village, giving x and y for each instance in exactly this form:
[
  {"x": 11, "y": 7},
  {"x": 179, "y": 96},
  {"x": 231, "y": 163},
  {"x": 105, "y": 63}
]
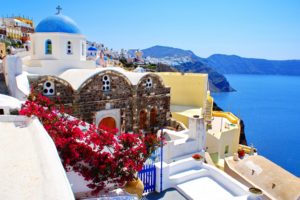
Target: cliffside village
[{"x": 54, "y": 59}]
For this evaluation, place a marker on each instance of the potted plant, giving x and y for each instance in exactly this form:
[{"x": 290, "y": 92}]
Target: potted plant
[
  {"x": 255, "y": 193},
  {"x": 197, "y": 157},
  {"x": 241, "y": 153},
  {"x": 135, "y": 186}
]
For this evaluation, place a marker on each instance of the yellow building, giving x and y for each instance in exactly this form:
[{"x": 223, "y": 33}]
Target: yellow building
[
  {"x": 25, "y": 20},
  {"x": 2, "y": 50},
  {"x": 14, "y": 32},
  {"x": 222, "y": 139},
  {"x": 188, "y": 94},
  {"x": 17, "y": 27},
  {"x": 189, "y": 97}
]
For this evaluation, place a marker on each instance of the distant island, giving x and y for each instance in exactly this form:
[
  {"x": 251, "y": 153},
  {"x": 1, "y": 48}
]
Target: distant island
[
  {"x": 186, "y": 61},
  {"x": 218, "y": 64},
  {"x": 232, "y": 64}
]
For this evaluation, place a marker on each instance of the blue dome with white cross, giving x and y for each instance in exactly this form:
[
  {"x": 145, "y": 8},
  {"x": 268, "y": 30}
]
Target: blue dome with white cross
[{"x": 57, "y": 24}]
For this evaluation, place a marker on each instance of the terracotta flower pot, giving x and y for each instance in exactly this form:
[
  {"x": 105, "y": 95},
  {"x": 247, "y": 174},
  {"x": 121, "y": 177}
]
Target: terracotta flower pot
[
  {"x": 197, "y": 157},
  {"x": 255, "y": 193},
  {"x": 135, "y": 187}
]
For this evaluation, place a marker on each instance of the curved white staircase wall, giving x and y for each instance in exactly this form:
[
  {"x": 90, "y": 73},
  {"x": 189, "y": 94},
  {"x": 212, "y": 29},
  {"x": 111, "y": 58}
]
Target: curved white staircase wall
[{"x": 188, "y": 169}]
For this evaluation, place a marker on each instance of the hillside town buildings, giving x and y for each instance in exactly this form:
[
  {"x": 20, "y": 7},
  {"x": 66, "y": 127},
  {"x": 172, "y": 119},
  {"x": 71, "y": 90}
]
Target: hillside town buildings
[
  {"x": 83, "y": 76},
  {"x": 17, "y": 28}
]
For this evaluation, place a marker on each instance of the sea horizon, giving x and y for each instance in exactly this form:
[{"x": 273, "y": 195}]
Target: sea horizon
[{"x": 258, "y": 104}]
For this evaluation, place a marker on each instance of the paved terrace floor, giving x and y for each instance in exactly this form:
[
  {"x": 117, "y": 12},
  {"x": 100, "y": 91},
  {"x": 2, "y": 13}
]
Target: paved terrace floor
[
  {"x": 169, "y": 194},
  {"x": 260, "y": 172}
]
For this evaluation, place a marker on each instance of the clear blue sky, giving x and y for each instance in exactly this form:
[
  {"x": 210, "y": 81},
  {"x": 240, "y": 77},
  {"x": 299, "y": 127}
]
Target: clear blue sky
[{"x": 250, "y": 28}]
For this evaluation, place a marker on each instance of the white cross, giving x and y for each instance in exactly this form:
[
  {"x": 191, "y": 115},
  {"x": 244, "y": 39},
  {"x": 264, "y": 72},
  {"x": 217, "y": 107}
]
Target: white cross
[{"x": 58, "y": 8}]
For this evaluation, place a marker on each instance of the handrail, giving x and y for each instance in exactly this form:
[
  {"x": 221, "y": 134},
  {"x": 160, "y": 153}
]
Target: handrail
[{"x": 228, "y": 115}]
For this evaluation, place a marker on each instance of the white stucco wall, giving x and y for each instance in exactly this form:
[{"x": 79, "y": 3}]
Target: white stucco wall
[
  {"x": 189, "y": 166},
  {"x": 55, "y": 67},
  {"x": 185, "y": 142},
  {"x": 212, "y": 144},
  {"x": 217, "y": 140},
  {"x": 78, "y": 184},
  {"x": 30, "y": 165},
  {"x": 59, "y": 46},
  {"x": 8, "y": 103},
  {"x": 12, "y": 69},
  {"x": 230, "y": 138}
]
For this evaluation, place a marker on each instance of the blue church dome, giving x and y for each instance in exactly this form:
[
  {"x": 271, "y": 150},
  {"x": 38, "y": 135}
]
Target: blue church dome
[
  {"x": 92, "y": 48},
  {"x": 57, "y": 23}
]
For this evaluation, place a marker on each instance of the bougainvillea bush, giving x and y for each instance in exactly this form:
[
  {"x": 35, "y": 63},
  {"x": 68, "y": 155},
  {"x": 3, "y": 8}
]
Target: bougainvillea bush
[{"x": 102, "y": 157}]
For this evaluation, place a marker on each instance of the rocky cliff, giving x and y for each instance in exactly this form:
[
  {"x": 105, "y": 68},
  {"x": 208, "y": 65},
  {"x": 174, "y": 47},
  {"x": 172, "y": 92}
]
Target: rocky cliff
[{"x": 186, "y": 61}]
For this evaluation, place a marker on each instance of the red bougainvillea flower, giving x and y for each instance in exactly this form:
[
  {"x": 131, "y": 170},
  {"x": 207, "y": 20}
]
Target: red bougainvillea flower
[
  {"x": 241, "y": 152},
  {"x": 98, "y": 155}
]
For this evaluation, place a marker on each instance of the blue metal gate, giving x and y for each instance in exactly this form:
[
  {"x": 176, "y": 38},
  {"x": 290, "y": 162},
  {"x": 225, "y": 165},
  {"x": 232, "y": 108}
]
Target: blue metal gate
[
  {"x": 148, "y": 176},
  {"x": 148, "y": 173}
]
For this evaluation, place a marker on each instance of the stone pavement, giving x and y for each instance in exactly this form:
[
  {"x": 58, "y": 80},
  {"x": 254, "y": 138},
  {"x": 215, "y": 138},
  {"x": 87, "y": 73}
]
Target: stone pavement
[{"x": 169, "y": 194}]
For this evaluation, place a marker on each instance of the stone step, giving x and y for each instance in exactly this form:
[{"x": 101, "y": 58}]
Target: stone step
[
  {"x": 187, "y": 175},
  {"x": 184, "y": 163}
]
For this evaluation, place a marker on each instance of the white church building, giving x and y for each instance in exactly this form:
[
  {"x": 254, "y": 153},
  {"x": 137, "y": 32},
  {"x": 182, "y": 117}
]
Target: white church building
[{"x": 57, "y": 45}]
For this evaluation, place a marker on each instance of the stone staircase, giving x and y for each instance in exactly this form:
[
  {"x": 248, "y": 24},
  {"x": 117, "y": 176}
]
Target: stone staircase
[{"x": 185, "y": 170}]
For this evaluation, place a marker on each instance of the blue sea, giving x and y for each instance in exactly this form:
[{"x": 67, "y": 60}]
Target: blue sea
[{"x": 270, "y": 108}]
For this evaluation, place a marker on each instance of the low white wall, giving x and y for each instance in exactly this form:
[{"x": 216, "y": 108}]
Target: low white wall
[
  {"x": 185, "y": 142},
  {"x": 228, "y": 137},
  {"x": 172, "y": 151},
  {"x": 78, "y": 184},
  {"x": 30, "y": 165},
  {"x": 226, "y": 181},
  {"x": 14, "y": 118},
  {"x": 55, "y": 171},
  {"x": 170, "y": 169},
  {"x": 162, "y": 173},
  {"x": 12, "y": 69},
  {"x": 232, "y": 185},
  {"x": 212, "y": 144},
  {"x": 5, "y": 109}
]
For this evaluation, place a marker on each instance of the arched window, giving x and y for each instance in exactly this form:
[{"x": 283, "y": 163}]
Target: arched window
[
  {"x": 105, "y": 83},
  {"x": 153, "y": 114},
  {"x": 149, "y": 83},
  {"x": 107, "y": 123},
  {"x": 143, "y": 119},
  {"x": 48, "y": 88},
  {"x": 69, "y": 48},
  {"x": 48, "y": 47}
]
